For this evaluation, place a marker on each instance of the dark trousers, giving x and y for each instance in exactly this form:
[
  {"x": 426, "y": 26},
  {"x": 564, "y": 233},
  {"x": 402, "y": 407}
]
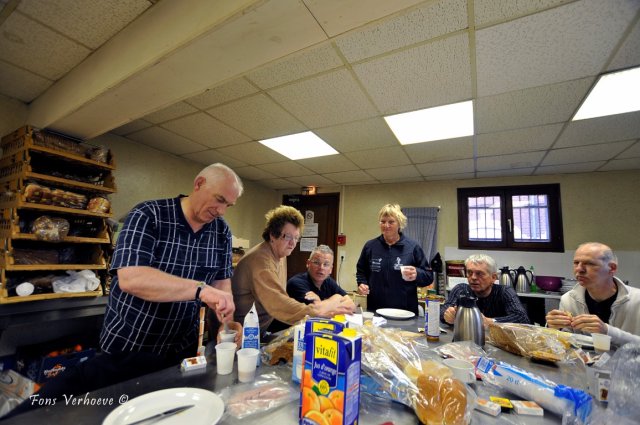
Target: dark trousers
[{"x": 99, "y": 372}]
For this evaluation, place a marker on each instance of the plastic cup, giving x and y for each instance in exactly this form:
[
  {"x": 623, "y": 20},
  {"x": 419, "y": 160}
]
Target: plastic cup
[
  {"x": 228, "y": 336},
  {"x": 601, "y": 342},
  {"x": 367, "y": 316},
  {"x": 225, "y": 352},
  {"x": 462, "y": 369},
  {"x": 405, "y": 270},
  {"x": 247, "y": 360}
]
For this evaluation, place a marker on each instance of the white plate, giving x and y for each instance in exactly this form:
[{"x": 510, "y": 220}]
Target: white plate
[
  {"x": 395, "y": 313},
  {"x": 207, "y": 410}
]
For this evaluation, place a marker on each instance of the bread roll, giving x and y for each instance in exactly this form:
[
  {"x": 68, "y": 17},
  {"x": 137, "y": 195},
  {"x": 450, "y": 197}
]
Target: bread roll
[
  {"x": 440, "y": 401},
  {"x": 413, "y": 370}
]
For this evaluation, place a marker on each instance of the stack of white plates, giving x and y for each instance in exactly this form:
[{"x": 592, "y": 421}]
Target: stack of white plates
[{"x": 567, "y": 285}]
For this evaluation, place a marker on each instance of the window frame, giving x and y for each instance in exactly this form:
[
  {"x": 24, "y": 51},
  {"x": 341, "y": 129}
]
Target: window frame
[{"x": 556, "y": 243}]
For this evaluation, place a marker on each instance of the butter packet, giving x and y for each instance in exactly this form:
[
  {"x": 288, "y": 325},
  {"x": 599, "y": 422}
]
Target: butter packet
[
  {"x": 193, "y": 363},
  {"x": 489, "y": 407},
  {"x": 526, "y": 407}
]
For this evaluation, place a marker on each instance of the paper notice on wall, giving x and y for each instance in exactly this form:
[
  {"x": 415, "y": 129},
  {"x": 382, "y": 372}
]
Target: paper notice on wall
[
  {"x": 309, "y": 217},
  {"x": 310, "y": 230},
  {"x": 307, "y": 244},
  {"x": 453, "y": 281}
]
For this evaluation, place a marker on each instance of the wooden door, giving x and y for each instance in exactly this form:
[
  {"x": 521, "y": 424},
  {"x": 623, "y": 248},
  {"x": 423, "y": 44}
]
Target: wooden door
[{"x": 322, "y": 209}]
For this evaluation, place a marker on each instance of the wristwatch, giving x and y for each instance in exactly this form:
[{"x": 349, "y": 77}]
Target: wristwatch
[{"x": 201, "y": 285}]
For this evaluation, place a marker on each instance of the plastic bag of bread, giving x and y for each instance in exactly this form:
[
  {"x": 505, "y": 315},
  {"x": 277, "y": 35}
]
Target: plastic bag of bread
[
  {"x": 280, "y": 349},
  {"x": 530, "y": 341},
  {"x": 49, "y": 228},
  {"x": 99, "y": 204}
]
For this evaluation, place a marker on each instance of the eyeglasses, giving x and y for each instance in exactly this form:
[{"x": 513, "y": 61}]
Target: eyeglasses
[
  {"x": 319, "y": 264},
  {"x": 290, "y": 238}
]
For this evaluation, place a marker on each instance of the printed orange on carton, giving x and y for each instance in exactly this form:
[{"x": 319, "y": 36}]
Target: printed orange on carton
[{"x": 330, "y": 390}]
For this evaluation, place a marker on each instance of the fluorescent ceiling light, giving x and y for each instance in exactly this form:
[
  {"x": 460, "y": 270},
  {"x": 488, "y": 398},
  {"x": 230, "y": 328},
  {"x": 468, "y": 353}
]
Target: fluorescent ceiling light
[
  {"x": 614, "y": 93},
  {"x": 299, "y": 146},
  {"x": 426, "y": 125}
]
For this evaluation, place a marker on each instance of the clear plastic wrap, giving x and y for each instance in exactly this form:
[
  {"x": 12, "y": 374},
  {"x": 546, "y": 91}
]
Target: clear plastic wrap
[
  {"x": 399, "y": 368},
  {"x": 269, "y": 391},
  {"x": 280, "y": 349},
  {"x": 50, "y": 229},
  {"x": 461, "y": 350},
  {"x": 531, "y": 341}
]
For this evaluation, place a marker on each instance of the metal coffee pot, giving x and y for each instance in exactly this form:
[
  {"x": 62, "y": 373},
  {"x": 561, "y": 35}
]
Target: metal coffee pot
[
  {"x": 506, "y": 276},
  {"x": 523, "y": 279},
  {"x": 468, "y": 325}
]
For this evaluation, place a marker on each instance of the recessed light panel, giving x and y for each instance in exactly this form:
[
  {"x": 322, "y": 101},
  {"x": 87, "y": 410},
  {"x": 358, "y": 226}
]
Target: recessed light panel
[
  {"x": 426, "y": 125},
  {"x": 299, "y": 146},
  {"x": 615, "y": 93}
]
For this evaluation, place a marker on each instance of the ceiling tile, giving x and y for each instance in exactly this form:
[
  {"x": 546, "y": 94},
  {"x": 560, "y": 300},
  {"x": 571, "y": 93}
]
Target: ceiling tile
[
  {"x": 379, "y": 158},
  {"x": 312, "y": 180},
  {"x": 393, "y": 173},
  {"x": 50, "y": 54},
  {"x": 325, "y": 100},
  {"x": 517, "y": 141},
  {"x": 338, "y": 16},
  {"x": 350, "y": 177},
  {"x": 131, "y": 127},
  {"x": 629, "y": 53},
  {"x": 530, "y": 107},
  {"x": 506, "y": 162},
  {"x": 328, "y": 164},
  {"x": 461, "y": 176},
  {"x": 253, "y": 153},
  {"x": 621, "y": 164},
  {"x": 440, "y": 150},
  {"x": 165, "y": 140},
  {"x": 286, "y": 169},
  {"x": 253, "y": 173},
  {"x": 91, "y": 22},
  {"x": 226, "y": 92},
  {"x": 296, "y": 66},
  {"x": 632, "y": 152},
  {"x": 21, "y": 84},
  {"x": 518, "y": 54},
  {"x": 598, "y": 152},
  {"x": 176, "y": 110},
  {"x": 412, "y": 79},
  {"x": 430, "y": 20},
  {"x": 491, "y": 11},
  {"x": 278, "y": 184},
  {"x": 357, "y": 135},
  {"x": 205, "y": 130},
  {"x": 212, "y": 156},
  {"x": 258, "y": 116},
  {"x": 584, "y": 167},
  {"x": 460, "y": 166},
  {"x": 506, "y": 173},
  {"x": 599, "y": 130}
]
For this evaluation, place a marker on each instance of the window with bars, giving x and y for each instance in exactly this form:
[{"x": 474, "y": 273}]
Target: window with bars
[{"x": 525, "y": 218}]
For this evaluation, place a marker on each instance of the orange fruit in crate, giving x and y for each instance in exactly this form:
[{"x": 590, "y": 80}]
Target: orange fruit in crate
[
  {"x": 334, "y": 417},
  {"x": 337, "y": 398},
  {"x": 317, "y": 417},
  {"x": 325, "y": 403},
  {"x": 310, "y": 401}
]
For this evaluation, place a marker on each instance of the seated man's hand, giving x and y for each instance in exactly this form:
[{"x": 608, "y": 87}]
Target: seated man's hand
[
  {"x": 233, "y": 326},
  {"x": 558, "y": 319},
  {"x": 347, "y": 302},
  {"x": 589, "y": 323},
  {"x": 486, "y": 321},
  {"x": 363, "y": 289},
  {"x": 311, "y": 296},
  {"x": 450, "y": 315}
]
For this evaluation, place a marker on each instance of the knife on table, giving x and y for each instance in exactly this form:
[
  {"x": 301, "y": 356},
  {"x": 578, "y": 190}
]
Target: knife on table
[{"x": 159, "y": 416}]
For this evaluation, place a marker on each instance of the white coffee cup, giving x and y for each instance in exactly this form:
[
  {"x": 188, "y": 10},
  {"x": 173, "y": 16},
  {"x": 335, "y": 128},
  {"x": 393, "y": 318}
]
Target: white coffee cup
[
  {"x": 601, "y": 342},
  {"x": 228, "y": 336},
  {"x": 367, "y": 316},
  {"x": 225, "y": 353},
  {"x": 462, "y": 370},
  {"x": 247, "y": 359}
]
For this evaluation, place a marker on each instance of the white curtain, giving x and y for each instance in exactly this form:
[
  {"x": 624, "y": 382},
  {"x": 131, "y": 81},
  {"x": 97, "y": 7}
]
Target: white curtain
[{"x": 422, "y": 226}]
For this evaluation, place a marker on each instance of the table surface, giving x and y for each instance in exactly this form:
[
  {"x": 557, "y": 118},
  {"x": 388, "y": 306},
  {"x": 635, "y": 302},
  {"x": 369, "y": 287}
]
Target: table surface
[{"x": 566, "y": 374}]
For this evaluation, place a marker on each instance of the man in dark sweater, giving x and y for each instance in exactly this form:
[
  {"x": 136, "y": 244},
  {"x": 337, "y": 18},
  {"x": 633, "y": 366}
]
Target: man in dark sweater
[
  {"x": 497, "y": 303},
  {"x": 316, "y": 284}
]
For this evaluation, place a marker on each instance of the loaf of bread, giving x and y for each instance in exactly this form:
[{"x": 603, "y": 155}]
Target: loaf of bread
[
  {"x": 440, "y": 400},
  {"x": 50, "y": 229},
  {"x": 528, "y": 341},
  {"x": 99, "y": 204}
]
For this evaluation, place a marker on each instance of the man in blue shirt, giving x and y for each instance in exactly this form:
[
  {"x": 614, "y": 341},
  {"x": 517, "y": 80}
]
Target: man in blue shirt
[{"x": 316, "y": 284}]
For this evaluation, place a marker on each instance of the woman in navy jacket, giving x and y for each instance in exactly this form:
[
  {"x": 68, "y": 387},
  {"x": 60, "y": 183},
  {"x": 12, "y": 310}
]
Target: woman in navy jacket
[{"x": 379, "y": 273}]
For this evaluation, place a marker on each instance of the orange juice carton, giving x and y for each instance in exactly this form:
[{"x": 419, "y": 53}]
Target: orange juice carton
[
  {"x": 330, "y": 389},
  {"x": 312, "y": 324}
]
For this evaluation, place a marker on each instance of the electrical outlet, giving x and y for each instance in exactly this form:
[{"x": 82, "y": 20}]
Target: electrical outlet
[{"x": 342, "y": 255}]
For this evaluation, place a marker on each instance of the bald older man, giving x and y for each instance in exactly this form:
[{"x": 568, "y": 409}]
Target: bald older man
[{"x": 600, "y": 303}]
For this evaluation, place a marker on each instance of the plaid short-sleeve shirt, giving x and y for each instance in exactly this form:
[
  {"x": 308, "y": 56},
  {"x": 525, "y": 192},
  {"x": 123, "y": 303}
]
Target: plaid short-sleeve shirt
[{"x": 156, "y": 234}]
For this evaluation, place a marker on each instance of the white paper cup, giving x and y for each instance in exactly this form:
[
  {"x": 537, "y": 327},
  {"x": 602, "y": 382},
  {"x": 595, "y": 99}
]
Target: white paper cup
[
  {"x": 228, "y": 336},
  {"x": 367, "y": 316},
  {"x": 601, "y": 342},
  {"x": 247, "y": 360},
  {"x": 225, "y": 352},
  {"x": 462, "y": 369},
  {"x": 405, "y": 270}
]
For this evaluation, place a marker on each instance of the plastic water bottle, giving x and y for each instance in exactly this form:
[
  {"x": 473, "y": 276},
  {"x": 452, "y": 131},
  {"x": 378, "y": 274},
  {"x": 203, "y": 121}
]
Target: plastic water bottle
[{"x": 251, "y": 331}]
